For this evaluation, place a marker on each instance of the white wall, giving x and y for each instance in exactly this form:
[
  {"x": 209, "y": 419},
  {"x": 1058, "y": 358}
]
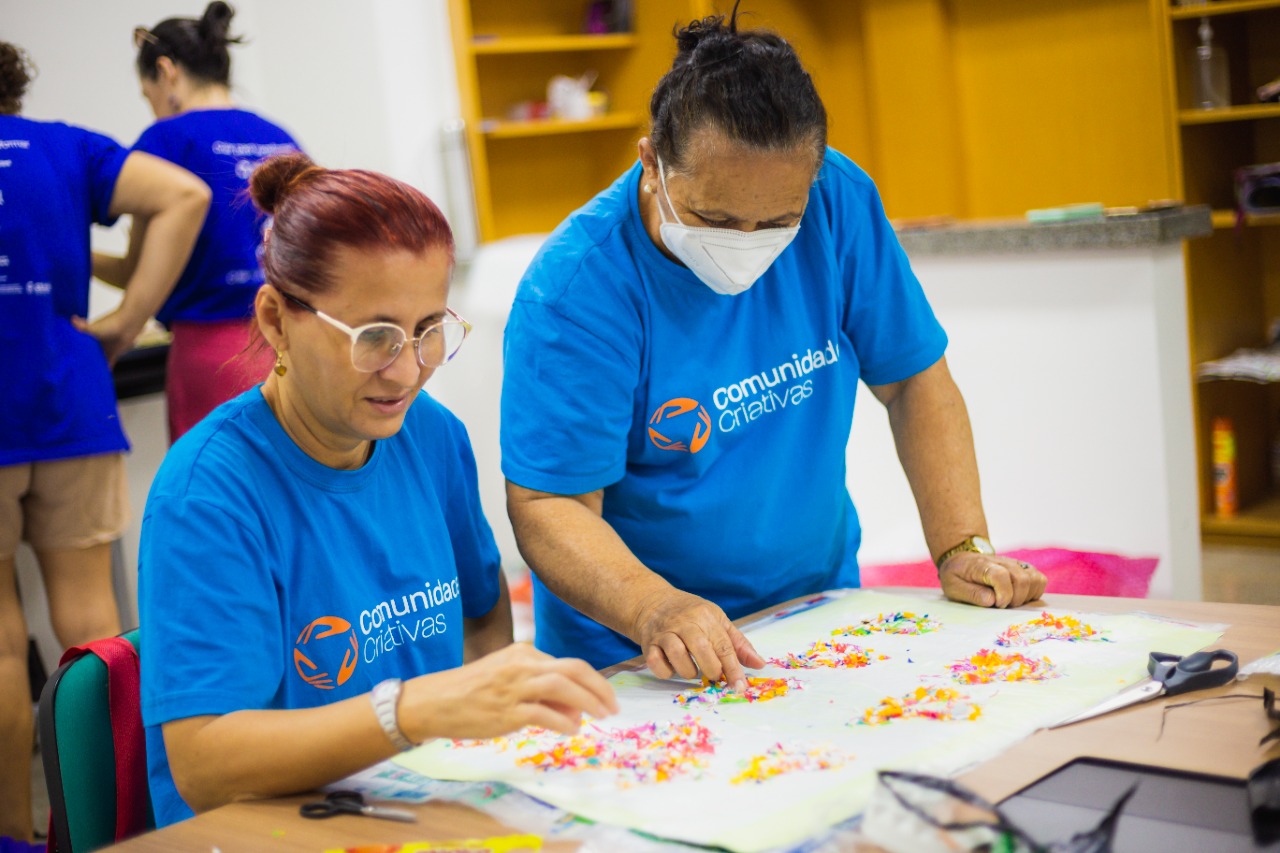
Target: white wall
[{"x": 1074, "y": 369}]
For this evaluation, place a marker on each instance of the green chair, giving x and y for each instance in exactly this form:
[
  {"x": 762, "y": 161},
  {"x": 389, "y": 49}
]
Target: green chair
[{"x": 79, "y": 737}]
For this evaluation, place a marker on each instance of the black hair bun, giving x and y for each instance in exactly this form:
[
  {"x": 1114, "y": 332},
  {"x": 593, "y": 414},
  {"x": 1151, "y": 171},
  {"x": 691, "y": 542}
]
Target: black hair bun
[
  {"x": 215, "y": 23},
  {"x": 707, "y": 40},
  {"x": 274, "y": 179}
]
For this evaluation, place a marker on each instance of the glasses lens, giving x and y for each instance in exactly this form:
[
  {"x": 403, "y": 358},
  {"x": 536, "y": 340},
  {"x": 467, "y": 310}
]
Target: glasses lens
[
  {"x": 376, "y": 347},
  {"x": 441, "y": 342}
]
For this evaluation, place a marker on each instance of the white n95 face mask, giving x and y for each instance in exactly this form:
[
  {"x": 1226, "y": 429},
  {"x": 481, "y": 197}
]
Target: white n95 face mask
[{"x": 725, "y": 260}]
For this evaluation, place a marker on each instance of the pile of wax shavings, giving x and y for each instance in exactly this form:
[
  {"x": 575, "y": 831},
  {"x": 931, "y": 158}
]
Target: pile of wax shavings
[
  {"x": 758, "y": 690},
  {"x": 1050, "y": 627},
  {"x": 779, "y": 760},
  {"x": 650, "y": 752},
  {"x": 903, "y": 622},
  {"x": 832, "y": 653},
  {"x": 524, "y": 737},
  {"x": 940, "y": 703},
  {"x": 987, "y": 666}
]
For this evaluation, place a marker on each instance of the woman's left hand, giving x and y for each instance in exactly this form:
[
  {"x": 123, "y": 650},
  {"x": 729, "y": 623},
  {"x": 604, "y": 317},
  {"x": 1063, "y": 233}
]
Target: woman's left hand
[{"x": 990, "y": 581}]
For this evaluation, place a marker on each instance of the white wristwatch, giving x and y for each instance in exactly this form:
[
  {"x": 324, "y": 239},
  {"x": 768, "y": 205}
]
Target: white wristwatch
[{"x": 385, "y": 698}]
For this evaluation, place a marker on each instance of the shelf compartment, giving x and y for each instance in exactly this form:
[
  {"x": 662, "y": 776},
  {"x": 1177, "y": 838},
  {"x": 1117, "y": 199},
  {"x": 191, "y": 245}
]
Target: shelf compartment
[
  {"x": 1243, "y": 112},
  {"x": 506, "y": 45},
  {"x": 1228, "y": 7},
  {"x": 501, "y": 129},
  {"x": 1260, "y": 519},
  {"x": 1226, "y": 219}
]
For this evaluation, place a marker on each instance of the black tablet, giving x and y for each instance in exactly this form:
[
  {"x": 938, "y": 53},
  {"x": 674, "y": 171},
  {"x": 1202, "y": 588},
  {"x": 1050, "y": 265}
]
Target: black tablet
[{"x": 1170, "y": 810}]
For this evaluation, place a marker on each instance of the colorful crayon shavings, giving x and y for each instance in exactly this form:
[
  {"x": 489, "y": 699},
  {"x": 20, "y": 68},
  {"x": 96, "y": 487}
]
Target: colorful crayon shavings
[
  {"x": 779, "y": 760},
  {"x": 525, "y": 737},
  {"x": 832, "y": 653},
  {"x": 902, "y": 622},
  {"x": 1050, "y": 627},
  {"x": 987, "y": 666},
  {"x": 650, "y": 752},
  {"x": 759, "y": 689},
  {"x": 939, "y": 703}
]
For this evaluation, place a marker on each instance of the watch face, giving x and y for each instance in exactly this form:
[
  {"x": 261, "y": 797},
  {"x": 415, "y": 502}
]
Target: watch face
[{"x": 982, "y": 545}]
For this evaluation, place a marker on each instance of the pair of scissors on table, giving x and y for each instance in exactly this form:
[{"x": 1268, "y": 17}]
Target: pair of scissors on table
[
  {"x": 1170, "y": 675},
  {"x": 352, "y": 802}
]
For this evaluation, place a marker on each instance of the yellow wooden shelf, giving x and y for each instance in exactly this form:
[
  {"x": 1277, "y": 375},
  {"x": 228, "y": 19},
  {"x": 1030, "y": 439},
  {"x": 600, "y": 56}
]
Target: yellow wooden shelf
[
  {"x": 491, "y": 46},
  {"x": 1259, "y": 519},
  {"x": 1227, "y": 219},
  {"x": 499, "y": 129},
  {"x": 1228, "y": 7},
  {"x": 1243, "y": 112}
]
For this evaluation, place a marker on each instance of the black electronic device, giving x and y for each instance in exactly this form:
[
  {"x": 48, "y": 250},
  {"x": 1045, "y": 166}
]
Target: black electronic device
[{"x": 1169, "y": 810}]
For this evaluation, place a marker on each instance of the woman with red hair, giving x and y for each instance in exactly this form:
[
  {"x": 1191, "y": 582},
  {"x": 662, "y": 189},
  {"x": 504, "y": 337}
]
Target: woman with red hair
[{"x": 319, "y": 538}]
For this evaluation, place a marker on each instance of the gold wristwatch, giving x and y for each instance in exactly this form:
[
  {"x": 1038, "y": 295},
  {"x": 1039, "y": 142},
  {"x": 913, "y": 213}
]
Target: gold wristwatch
[{"x": 974, "y": 544}]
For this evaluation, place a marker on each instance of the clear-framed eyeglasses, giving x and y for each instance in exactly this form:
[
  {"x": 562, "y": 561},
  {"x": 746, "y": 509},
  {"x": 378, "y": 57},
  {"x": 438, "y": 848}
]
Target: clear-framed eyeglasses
[{"x": 375, "y": 345}]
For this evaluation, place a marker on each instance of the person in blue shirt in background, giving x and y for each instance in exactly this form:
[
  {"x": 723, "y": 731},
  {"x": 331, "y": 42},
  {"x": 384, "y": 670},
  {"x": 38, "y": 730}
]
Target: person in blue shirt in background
[
  {"x": 680, "y": 369},
  {"x": 185, "y": 70},
  {"x": 62, "y": 479},
  {"x": 314, "y": 568}
]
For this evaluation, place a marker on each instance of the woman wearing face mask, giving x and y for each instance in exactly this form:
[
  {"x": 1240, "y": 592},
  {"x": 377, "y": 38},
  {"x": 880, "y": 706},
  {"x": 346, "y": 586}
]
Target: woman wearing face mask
[
  {"x": 314, "y": 568},
  {"x": 680, "y": 371},
  {"x": 185, "y": 69}
]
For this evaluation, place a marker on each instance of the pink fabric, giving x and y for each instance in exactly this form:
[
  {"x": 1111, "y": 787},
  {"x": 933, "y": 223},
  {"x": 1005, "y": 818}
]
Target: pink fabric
[
  {"x": 1077, "y": 572},
  {"x": 209, "y": 363}
]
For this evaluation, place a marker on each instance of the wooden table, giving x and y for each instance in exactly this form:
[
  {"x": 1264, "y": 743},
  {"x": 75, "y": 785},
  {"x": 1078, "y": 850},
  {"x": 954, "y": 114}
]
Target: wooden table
[{"x": 1219, "y": 738}]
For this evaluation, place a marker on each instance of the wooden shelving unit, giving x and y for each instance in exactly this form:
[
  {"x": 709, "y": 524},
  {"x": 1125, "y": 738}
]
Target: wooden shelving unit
[
  {"x": 933, "y": 98},
  {"x": 529, "y": 174},
  {"x": 1233, "y": 277},
  {"x": 493, "y": 45},
  {"x": 1248, "y": 112},
  {"x": 1229, "y": 7},
  {"x": 497, "y": 129}
]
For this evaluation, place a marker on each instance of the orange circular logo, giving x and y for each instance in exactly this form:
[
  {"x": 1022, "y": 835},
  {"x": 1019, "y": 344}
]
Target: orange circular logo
[
  {"x": 670, "y": 429},
  {"x": 315, "y": 663}
]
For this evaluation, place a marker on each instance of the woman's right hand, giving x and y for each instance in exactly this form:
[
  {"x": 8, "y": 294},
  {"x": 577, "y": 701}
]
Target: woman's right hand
[
  {"x": 682, "y": 634},
  {"x": 502, "y": 692}
]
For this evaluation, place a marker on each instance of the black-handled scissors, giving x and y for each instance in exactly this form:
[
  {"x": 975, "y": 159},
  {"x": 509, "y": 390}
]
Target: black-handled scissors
[
  {"x": 1170, "y": 675},
  {"x": 352, "y": 802}
]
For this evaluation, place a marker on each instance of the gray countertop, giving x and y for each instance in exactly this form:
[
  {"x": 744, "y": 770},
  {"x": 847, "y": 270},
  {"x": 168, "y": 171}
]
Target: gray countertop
[{"x": 1020, "y": 236}]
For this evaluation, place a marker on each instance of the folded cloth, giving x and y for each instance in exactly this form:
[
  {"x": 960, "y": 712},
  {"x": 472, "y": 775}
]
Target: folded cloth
[{"x": 1076, "y": 572}]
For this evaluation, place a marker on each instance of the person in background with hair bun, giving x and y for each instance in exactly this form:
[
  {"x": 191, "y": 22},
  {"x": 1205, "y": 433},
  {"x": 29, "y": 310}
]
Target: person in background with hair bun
[
  {"x": 680, "y": 370},
  {"x": 319, "y": 538},
  {"x": 185, "y": 69},
  {"x": 62, "y": 475}
]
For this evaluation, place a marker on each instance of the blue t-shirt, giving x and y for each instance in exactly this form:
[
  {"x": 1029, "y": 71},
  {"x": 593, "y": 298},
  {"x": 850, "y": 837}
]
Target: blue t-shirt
[
  {"x": 221, "y": 147},
  {"x": 269, "y": 580},
  {"x": 55, "y": 182},
  {"x": 716, "y": 425}
]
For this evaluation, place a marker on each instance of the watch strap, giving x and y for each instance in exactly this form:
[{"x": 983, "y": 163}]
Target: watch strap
[
  {"x": 969, "y": 545},
  {"x": 386, "y": 699}
]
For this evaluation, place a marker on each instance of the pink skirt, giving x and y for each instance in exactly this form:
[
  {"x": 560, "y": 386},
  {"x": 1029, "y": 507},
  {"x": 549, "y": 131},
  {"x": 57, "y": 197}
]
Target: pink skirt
[{"x": 209, "y": 363}]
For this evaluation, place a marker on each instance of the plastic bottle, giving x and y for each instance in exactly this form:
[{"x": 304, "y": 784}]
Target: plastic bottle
[
  {"x": 1209, "y": 72},
  {"x": 1224, "y": 468}
]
